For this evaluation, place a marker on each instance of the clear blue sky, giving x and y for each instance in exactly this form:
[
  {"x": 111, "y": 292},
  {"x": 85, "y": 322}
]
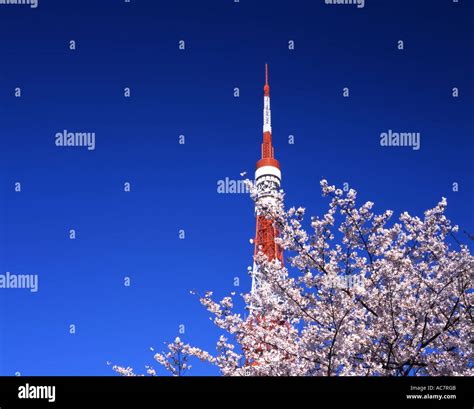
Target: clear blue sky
[{"x": 175, "y": 186}]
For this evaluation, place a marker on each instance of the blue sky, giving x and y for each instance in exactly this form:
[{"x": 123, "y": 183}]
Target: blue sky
[{"x": 174, "y": 186}]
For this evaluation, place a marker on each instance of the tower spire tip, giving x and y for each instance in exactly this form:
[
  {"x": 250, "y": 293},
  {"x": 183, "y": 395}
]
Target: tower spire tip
[{"x": 266, "y": 87}]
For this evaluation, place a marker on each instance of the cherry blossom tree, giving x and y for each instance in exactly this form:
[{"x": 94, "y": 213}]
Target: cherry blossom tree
[
  {"x": 364, "y": 296},
  {"x": 175, "y": 360}
]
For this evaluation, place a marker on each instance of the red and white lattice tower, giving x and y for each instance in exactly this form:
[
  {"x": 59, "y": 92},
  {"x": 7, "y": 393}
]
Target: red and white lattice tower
[{"x": 267, "y": 183}]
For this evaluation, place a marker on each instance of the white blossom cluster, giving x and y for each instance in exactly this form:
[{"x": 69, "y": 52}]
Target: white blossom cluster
[{"x": 410, "y": 314}]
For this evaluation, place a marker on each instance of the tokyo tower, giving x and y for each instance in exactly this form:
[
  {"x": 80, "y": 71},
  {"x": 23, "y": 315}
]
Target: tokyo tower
[{"x": 267, "y": 183}]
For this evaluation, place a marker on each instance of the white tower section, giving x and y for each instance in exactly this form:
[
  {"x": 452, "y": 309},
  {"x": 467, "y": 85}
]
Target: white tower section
[{"x": 267, "y": 115}]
